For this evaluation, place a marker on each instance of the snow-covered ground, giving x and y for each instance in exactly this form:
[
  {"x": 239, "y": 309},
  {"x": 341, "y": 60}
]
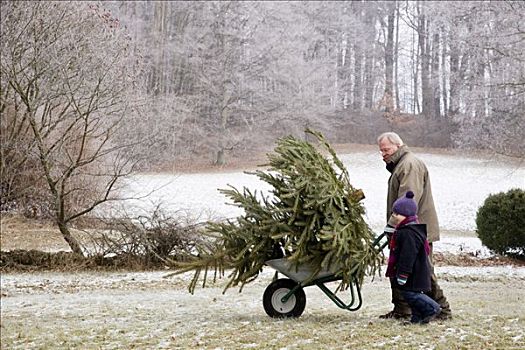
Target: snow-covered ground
[
  {"x": 55, "y": 282},
  {"x": 460, "y": 184},
  {"x": 457, "y": 245},
  {"x": 144, "y": 310}
]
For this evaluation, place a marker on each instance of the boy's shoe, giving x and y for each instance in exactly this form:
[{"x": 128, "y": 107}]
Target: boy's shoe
[
  {"x": 430, "y": 317},
  {"x": 443, "y": 316},
  {"x": 395, "y": 315}
]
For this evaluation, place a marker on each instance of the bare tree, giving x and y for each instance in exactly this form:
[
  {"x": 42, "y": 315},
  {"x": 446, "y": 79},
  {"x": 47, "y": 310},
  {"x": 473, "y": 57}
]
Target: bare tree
[
  {"x": 223, "y": 75},
  {"x": 424, "y": 52},
  {"x": 67, "y": 77},
  {"x": 486, "y": 94},
  {"x": 388, "y": 97},
  {"x": 371, "y": 14}
]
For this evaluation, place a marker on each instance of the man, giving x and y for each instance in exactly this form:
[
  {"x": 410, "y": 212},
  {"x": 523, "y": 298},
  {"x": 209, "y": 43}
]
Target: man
[{"x": 410, "y": 173}]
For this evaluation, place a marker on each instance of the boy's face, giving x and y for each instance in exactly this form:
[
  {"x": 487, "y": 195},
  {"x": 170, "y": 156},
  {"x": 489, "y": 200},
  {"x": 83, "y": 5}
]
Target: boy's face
[{"x": 395, "y": 219}]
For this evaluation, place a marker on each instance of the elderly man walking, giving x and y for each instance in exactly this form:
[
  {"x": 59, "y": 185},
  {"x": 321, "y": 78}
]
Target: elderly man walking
[{"x": 409, "y": 173}]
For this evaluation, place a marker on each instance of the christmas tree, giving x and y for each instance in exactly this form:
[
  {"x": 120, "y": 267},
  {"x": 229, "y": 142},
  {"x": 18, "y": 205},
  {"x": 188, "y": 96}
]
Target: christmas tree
[{"x": 313, "y": 216}]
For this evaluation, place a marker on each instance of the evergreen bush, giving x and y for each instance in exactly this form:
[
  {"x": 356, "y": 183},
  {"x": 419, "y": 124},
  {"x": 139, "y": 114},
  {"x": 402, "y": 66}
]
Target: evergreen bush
[{"x": 501, "y": 223}]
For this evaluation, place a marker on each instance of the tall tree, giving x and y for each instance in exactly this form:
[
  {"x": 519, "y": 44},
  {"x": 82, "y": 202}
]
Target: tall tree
[
  {"x": 389, "y": 58},
  {"x": 396, "y": 60},
  {"x": 424, "y": 52},
  {"x": 71, "y": 79},
  {"x": 435, "y": 75},
  {"x": 371, "y": 13}
]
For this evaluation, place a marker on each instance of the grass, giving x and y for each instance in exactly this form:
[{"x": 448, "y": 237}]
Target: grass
[
  {"x": 146, "y": 311},
  {"x": 143, "y": 310}
]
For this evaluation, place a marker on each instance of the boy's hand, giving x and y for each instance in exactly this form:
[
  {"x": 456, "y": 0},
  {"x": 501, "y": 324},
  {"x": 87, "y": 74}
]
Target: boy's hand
[
  {"x": 389, "y": 230},
  {"x": 402, "y": 279}
]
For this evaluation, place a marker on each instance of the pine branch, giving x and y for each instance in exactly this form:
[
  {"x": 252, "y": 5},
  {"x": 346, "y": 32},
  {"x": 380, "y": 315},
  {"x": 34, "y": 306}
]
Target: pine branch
[{"x": 314, "y": 215}]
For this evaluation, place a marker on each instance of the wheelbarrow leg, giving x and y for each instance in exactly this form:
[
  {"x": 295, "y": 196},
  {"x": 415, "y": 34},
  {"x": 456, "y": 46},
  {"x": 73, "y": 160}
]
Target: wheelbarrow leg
[
  {"x": 275, "y": 276},
  {"x": 337, "y": 301}
]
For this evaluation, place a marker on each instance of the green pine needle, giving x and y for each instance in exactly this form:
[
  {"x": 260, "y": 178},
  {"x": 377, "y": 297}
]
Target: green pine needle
[{"x": 315, "y": 215}]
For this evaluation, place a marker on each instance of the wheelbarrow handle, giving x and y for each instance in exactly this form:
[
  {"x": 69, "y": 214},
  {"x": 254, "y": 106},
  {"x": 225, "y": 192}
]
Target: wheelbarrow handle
[{"x": 378, "y": 244}]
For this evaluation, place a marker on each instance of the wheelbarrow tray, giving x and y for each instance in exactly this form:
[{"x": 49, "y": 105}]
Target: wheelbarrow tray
[{"x": 303, "y": 272}]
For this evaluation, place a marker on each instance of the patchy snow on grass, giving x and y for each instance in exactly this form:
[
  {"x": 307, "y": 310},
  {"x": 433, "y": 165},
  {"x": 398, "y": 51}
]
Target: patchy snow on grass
[
  {"x": 146, "y": 310},
  {"x": 481, "y": 272},
  {"x": 460, "y": 184},
  {"x": 457, "y": 245}
]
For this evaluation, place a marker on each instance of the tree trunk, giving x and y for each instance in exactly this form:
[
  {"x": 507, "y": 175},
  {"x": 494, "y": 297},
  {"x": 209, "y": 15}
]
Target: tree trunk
[
  {"x": 436, "y": 112},
  {"x": 480, "y": 99},
  {"x": 444, "y": 75},
  {"x": 369, "y": 79},
  {"x": 426, "y": 90},
  {"x": 389, "y": 60},
  {"x": 341, "y": 76},
  {"x": 221, "y": 157},
  {"x": 358, "y": 87},
  {"x": 158, "y": 83},
  {"x": 416, "y": 108},
  {"x": 453, "y": 107},
  {"x": 68, "y": 237},
  {"x": 396, "y": 61}
]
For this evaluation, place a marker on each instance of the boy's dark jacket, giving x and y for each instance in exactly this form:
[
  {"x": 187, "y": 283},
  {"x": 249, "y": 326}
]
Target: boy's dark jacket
[{"x": 411, "y": 258}]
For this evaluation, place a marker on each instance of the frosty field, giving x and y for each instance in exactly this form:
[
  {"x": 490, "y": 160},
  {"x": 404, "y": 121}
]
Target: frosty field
[
  {"x": 147, "y": 311},
  {"x": 460, "y": 184},
  {"x": 125, "y": 310}
]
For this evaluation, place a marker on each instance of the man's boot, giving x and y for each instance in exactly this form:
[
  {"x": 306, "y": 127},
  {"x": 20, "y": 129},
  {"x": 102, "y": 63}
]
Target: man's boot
[{"x": 436, "y": 293}]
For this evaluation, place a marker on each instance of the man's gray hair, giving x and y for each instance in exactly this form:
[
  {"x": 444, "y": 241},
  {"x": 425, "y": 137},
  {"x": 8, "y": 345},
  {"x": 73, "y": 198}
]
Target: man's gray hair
[{"x": 392, "y": 137}]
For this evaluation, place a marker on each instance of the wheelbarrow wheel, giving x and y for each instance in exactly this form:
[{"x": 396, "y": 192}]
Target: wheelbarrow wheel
[{"x": 272, "y": 299}]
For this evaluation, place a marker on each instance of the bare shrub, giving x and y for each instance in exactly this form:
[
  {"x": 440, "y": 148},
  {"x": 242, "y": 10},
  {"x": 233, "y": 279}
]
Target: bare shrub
[
  {"x": 22, "y": 185},
  {"x": 154, "y": 238}
]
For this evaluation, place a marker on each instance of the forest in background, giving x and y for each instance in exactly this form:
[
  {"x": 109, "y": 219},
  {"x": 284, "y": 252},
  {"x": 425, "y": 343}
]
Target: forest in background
[
  {"x": 217, "y": 80},
  {"x": 222, "y": 78},
  {"x": 92, "y": 92}
]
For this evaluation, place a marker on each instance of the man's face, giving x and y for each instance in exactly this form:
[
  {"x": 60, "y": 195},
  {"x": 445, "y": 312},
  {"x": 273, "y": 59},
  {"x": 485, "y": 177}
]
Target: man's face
[{"x": 387, "y": 149}]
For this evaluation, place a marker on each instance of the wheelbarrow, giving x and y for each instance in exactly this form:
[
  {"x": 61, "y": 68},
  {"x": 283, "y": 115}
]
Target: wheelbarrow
[{"x": 285, "y": 297}]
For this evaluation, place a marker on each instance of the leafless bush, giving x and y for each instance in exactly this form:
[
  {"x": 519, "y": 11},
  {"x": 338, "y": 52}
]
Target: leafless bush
[
  {"x": 154, "y": 238},
  {"x": 22, "y": 185}
]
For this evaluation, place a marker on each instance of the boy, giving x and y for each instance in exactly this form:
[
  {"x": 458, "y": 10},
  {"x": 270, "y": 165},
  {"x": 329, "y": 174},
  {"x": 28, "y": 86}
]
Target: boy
[{"x": 408, "y": 266}]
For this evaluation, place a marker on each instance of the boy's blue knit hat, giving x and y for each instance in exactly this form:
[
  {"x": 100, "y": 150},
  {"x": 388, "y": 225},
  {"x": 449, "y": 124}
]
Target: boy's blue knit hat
[{"x": 405, "y": 205}]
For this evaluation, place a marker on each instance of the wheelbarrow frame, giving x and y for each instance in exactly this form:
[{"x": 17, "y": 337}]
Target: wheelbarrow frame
[{"x": 301, "y": 275}]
